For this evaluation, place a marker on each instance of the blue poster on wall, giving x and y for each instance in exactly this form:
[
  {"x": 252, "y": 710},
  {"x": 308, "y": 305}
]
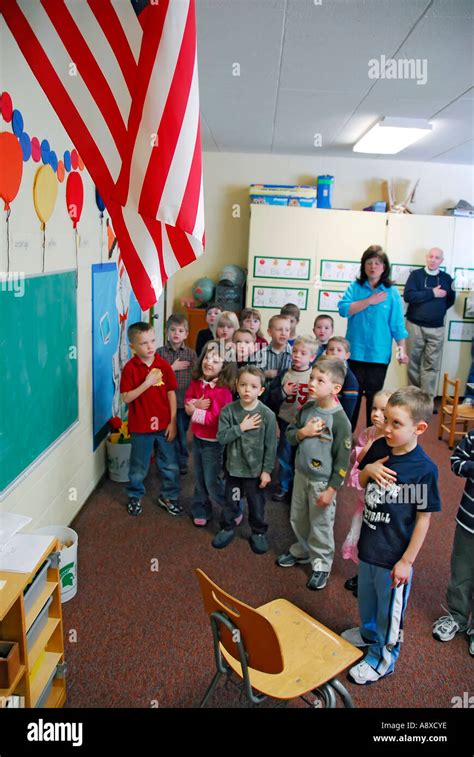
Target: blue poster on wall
[{"x": 114, "y": 308}]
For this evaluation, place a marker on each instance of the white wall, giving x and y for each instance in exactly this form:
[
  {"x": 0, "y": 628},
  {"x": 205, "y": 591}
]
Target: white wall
[
  {"x": 54, "y": 490},
  {"x": 357, "y": 183}
]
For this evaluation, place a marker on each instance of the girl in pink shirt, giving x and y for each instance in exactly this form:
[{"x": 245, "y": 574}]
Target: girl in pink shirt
[{"x": 208, "y": 392}]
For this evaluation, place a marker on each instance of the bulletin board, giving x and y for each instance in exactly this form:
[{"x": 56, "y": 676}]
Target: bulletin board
[
  {"x": 460, "y": 331},
  {"x": 39, "y": 396}
]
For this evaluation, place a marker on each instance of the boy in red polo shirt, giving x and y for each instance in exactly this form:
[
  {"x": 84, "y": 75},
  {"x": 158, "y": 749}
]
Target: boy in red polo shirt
[{"x": 148, "y": 386}]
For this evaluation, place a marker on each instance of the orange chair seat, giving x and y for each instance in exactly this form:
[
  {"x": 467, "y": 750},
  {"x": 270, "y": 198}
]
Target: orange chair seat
[{"x": 312, "y": 653}]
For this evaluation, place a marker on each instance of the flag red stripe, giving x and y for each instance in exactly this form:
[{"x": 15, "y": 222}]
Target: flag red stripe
[
  {"x": 182, "y": 248},
  {"x": 187, "y": 214},
  {"x": 112, "y": 29},
  {"x": 150, "y": 43},
  {"x": 95, "y": 81},
  {"x": 169, "y": 128},
  {"x": 58, "y": 96},
  {"x": 155, "y": 229},
  {"x": 139, "y": 279}
]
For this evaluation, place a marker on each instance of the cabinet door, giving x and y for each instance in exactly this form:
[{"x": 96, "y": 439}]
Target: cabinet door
[
  {"x": 409, "y": 238},
  {"x": 456, "y": 359},
  {"x": 343, "y": 235},
  {"x": 281, "y": 233}
]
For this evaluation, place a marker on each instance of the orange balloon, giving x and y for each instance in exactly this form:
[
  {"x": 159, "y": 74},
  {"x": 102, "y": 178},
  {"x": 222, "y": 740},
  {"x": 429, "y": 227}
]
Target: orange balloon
[
  {"x": 60, "y": 171},
  {"x": 80, "y": 163},
  {"x": 11, "y": 167}
]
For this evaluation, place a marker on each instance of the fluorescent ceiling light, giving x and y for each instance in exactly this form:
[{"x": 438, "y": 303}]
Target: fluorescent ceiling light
[{"x": 391, "y": 135}]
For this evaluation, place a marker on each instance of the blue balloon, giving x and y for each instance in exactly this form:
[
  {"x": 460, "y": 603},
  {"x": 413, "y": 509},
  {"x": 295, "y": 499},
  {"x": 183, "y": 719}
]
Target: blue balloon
[
  {"x": 67, "y": 160},
  {"x": 100, "y": 202},
  {"x": 25, "y": 144},
  {"x": 45, "y": 151},
  {"x": 53, "y": 161},
  {"x": 17, "y": 123}
]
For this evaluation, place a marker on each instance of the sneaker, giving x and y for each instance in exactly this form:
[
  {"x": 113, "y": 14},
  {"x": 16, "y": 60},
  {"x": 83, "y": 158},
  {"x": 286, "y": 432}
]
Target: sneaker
[
  {"x": 170, "y": 505},
  {"x": 288, "y": 560},
  {"x": 470, "y": 633},
  {"x": 200, "y": 522},
  {"x": 354, "y": 637},
  {"x": 222, "y": 539},
  {"x": 446, "y": 628},
  {"x": 134, "y": 507},
  {"x": 317, "y": 580},
  {"x": 258, "y": 544},
  {"x": 279, "y": 495},
  {"x": 351, "y": 583},
  {"x": 363, "y": 673}
]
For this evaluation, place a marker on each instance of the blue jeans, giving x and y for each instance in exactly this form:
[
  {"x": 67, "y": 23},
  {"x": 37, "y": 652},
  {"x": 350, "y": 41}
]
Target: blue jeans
[
  {"x": 182, "y": 422},
  {"x": 286, "y": 457},
  {"x": 166, "y": 463},
  {"x": 382, "y": 612},
  {"x": 209, "y": 485}
]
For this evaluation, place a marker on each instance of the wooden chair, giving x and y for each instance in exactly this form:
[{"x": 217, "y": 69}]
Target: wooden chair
[
  {"x": 455, "y": 412},
  {"x": 276, "y": 650}
]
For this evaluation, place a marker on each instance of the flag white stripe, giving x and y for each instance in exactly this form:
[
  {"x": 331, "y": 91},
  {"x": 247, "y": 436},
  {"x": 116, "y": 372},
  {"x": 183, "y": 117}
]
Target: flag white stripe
[
  {"x": 145, "y": 246},
  {"x": 105, "y": 58},
  {"x": 169, "y": 259},
  {"x": 177, "y": 179},
  {"x": 130, "y": 25},
  {"x": 198, "y": 230},
  {"x": 157, "y": 94},
  {"x": 74, "y": 85}
]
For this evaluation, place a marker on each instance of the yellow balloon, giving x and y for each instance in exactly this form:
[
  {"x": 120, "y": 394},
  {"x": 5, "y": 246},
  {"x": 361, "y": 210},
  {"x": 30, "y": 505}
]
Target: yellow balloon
[{"x": 45, "y": 192}]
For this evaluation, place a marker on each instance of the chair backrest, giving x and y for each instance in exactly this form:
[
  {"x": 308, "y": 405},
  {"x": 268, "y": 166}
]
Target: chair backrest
[
  {"x": 256, "y": 632},
  {"x": 451, "y": 399}
]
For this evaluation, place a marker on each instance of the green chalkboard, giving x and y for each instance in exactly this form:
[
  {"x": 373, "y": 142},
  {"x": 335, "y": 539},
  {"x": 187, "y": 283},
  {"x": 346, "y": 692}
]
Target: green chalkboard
[{"x": 38, "y": 367}]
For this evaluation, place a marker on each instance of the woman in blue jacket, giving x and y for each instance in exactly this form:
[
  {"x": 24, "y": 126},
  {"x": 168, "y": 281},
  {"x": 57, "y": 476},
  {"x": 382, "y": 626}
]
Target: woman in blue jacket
[{"x": 374, "y": 309}]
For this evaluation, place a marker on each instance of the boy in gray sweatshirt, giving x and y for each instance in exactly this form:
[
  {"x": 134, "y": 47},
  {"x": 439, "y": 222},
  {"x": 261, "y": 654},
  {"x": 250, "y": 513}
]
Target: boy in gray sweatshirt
[
  {"x": 247, "y": 428},
  {"x": 323, "y": 435}
]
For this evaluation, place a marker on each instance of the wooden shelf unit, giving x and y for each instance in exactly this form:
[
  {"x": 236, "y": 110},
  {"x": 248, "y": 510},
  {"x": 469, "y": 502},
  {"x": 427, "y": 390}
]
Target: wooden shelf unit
[{"x": 15, "y": 623}]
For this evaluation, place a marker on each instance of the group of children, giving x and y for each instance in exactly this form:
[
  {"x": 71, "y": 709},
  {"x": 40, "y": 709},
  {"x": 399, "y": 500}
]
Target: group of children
[{"x": 250, "y": 402}]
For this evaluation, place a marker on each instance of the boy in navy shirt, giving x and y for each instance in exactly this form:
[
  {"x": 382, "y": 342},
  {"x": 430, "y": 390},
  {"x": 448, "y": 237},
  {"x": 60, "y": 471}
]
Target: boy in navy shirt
[
  {"x": 339, "y": 347},
  {"x": 401, "y": 492}
]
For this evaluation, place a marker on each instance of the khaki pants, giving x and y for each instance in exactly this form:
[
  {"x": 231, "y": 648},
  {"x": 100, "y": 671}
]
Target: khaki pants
[
  {"x": 313, "y": 526},
  {"x": 425, "y": 348},
  {"x": 460, "y": 594}
]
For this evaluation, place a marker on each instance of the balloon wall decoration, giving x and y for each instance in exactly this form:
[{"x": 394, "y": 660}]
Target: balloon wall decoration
[
  {"x": 45, "y": 192},
  {"x": 74, "y": 203},
  {"x": 11, "y": 171},
  {"x": 101, "y": 205}
]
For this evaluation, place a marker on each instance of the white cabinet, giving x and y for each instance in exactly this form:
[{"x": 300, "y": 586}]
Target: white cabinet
[{"x": 316, "y": 254}]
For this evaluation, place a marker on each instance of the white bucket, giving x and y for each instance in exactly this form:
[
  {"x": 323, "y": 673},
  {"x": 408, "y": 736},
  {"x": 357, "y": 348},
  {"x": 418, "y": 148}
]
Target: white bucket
[
  {"x": 118, "y": 461},
  {"x": 67, "y": 560}
]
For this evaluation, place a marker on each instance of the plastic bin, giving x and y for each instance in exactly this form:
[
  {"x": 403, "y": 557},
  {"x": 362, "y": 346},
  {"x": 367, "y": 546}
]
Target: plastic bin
[
  {"x": 38, "y": 625},
  {"x": 325, "y": 185},
  {"x": 36, "y": 587},
  {"x": 67, "y": 556}
]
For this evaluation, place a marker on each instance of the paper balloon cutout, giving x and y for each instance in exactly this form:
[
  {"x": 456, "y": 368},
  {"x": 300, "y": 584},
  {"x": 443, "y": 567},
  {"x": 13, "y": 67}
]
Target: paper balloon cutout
[
  {"x": 6, "y": 106},
  {"x": 74, "y": 197},
  {"x": 60, "y": 171},
  {"x": 17, "y": 122},
  {"x": 25, "y": 144},
  {"x": 45, "y": 192},
  {"x": 53, "y": 161},
  {"x": 45, "y": 151},
  {"x": 67, "y": 160},
  {"x": 100, "y": 203},
  {"x": 74, "y": 159},
  {"x": 35, "y": 149},
  {"x": 11, "y": 167}
]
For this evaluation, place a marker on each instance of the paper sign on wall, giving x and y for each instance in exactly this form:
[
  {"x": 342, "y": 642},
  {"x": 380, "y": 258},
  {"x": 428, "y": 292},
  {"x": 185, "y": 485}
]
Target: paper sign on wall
[
  {"x": 460, "y": 331},
  {"x": 276, "y": 297},
  {"x": 328, "y": 300},
  {"x": 281, "y": 268},
  {"x": 339, "y": 270},
  {"x": 401, "y": 272}
]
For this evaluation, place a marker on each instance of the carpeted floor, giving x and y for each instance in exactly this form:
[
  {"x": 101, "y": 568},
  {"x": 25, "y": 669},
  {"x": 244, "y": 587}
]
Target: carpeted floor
[{"x": 142, "y": 637}]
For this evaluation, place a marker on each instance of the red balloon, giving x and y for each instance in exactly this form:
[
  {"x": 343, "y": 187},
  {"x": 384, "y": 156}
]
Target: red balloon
[
  {"x": 35, "y": 149},
  {"x": 6, "y": 106},
  {"x": 74, "y": 159},
  {"x": 11, "y": 167},
  {"x": 74, "y": 197}
]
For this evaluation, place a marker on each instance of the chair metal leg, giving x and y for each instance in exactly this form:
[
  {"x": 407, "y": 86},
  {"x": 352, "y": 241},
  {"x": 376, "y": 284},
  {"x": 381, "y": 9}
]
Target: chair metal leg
[
  {"x": 343, "y": 693},
  {"x": 211, "y": 688}
]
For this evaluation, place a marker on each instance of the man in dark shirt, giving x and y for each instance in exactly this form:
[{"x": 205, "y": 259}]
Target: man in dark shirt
[
  {"x": 401, "y": 492},
  {"x": 429, "y": 294}
]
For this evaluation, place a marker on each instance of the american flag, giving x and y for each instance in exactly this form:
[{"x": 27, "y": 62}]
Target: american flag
[{"x": 122, "y": 78}]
